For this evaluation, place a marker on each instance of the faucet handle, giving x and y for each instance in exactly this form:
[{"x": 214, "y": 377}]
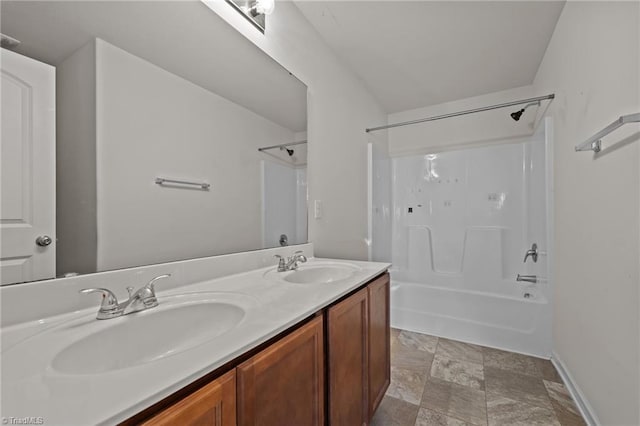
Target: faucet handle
[
  {"x": 533, "y": 252},
  {"x": 151, "y": 284},
  {"x": 109, "y": 300},
  {"x": 282, "y": 266}
]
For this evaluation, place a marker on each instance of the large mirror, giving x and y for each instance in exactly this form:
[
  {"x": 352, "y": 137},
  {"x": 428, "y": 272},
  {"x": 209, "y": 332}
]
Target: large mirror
[{"x": 142, "y": 132}]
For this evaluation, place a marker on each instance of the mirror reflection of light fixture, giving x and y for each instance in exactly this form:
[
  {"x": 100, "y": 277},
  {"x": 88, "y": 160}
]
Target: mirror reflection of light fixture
[{"x": 254, "y": 10}]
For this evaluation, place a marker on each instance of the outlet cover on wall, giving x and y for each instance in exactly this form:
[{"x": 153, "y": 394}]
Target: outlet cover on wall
[{"x": 317, "y": 209}]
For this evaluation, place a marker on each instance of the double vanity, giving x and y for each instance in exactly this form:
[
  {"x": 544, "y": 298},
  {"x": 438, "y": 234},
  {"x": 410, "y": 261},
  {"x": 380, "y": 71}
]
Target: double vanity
[
  {"x": 308, "y": 345},
  {"x": 187, "y": 162}
]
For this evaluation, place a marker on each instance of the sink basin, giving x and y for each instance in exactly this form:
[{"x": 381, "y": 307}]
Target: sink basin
[
  {"x": 177, "y": 324},
  {"x": 319, "y": 274},
  {"x": 316, "y": 273}
]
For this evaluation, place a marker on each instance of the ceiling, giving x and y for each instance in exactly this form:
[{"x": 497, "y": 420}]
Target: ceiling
[
  {"x": 413, "y": 54},
  {"x": 184, "y": 37}
]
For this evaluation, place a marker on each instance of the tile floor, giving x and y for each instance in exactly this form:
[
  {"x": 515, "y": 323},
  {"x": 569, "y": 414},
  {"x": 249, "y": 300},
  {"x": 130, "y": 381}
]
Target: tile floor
[{"x": 437, "y": 381}]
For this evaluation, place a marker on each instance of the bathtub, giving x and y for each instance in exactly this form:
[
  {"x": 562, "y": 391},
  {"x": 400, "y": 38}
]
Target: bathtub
[{"x": 514, "y": 323}]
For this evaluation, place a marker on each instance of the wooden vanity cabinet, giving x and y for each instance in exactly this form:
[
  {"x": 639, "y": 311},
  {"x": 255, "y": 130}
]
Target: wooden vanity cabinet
[
  {"x": 284, "y": 384},
  {"x": 348, "y": 324},
  {"x": 359, "y": 354},
  {"x": 284, "y": 381},
  {"x": 379, "y": 341},
  {"x": 212, "y": 405}
]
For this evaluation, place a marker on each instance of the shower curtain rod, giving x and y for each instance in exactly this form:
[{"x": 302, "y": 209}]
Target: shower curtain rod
[
  {"x": 468, "y": 111},
  {"x": 282, "y": 145}
]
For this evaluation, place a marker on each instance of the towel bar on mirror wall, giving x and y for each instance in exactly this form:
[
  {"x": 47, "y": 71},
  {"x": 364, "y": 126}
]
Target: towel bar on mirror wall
[
  {"x": 594, "y": 143},
  {"x": 203, "y": 185}
]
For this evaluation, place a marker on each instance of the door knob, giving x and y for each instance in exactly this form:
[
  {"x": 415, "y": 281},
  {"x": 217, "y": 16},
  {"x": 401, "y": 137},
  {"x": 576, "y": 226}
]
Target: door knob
[{"x": 43, "y": 240}]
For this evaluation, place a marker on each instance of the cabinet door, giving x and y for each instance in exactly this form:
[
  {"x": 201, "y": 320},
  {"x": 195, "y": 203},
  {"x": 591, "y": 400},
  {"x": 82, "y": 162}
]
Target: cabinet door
[
  {"x": 284, "y": 384},
  {"x": 348, "y": 361},
  {"x": 379, "y": 342},
  {"x": 212, "y": 405}
]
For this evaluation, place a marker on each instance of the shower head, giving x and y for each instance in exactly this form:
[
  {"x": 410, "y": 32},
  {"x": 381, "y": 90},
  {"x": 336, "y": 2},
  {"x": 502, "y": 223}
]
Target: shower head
[
  {"x": 289, "y": 151},
  {"x": 516, "y": 115}
]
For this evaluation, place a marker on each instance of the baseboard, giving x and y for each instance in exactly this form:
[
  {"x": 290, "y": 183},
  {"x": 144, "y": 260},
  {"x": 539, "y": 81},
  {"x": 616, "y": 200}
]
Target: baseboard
[{"x": 581, "y": 401}]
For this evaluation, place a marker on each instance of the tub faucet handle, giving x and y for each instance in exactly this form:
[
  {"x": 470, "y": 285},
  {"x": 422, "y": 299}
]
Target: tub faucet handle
[{"x": 533, "y": 252}]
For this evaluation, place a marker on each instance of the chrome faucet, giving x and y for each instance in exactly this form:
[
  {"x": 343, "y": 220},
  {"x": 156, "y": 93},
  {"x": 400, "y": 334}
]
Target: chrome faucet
[
  {"x": 527, "y": 278},
  {"x": 144, "y": 298},
  {"x": 533, "y": 252},
  {"x": 292, "y": 263}
]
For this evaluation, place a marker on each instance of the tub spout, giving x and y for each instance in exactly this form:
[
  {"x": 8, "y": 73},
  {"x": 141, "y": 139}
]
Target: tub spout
[{"x": 527, "y": 278}]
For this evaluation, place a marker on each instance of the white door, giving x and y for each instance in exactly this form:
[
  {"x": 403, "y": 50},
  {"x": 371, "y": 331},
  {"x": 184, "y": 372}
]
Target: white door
[{"x": 27, "y": 170}]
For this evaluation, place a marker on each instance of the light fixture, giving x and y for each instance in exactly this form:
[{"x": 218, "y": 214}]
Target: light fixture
[
  {"x": 265, "y": 7},
  {"x": 254, "y": 10}
]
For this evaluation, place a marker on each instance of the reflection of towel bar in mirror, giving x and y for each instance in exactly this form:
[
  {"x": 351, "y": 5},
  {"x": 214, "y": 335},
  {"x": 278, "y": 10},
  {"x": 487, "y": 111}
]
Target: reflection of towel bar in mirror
[{"x": 203, "y": 185}]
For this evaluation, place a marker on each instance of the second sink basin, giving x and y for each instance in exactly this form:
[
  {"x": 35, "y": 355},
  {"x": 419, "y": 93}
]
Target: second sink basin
[
  {"x": 317, "y": 273},
  {"x": 179, "y": 323}
]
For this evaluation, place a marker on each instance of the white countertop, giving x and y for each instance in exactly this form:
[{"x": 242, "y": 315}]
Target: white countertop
[{"x": 31, "y": 387}]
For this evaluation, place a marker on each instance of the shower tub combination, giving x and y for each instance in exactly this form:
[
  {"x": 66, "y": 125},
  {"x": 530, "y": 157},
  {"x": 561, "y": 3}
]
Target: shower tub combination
[{"x": 462, "y": 222}]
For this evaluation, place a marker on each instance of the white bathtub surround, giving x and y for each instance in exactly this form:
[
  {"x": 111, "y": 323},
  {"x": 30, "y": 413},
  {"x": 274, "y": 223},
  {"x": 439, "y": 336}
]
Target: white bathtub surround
[
  {"x": 462, "y": 222},
  {"x": 33, "y": 383},
  {"x": 380, "y": 199}
]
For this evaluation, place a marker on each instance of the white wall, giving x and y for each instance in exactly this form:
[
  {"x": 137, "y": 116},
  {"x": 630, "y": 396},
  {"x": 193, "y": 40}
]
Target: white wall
[
  {"x": 483, "y": 128},
  {"x": 154, "y": 123},
  {"x": 592, "y": 63},
  {"x": 339, "y": 109}
]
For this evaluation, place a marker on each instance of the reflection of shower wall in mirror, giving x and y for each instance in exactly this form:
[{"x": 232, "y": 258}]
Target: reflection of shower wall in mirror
[
  {"x": 150, "y": 122},
  {"x": 301, "y": 205},
  {"x": 284, "y": 203}
]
